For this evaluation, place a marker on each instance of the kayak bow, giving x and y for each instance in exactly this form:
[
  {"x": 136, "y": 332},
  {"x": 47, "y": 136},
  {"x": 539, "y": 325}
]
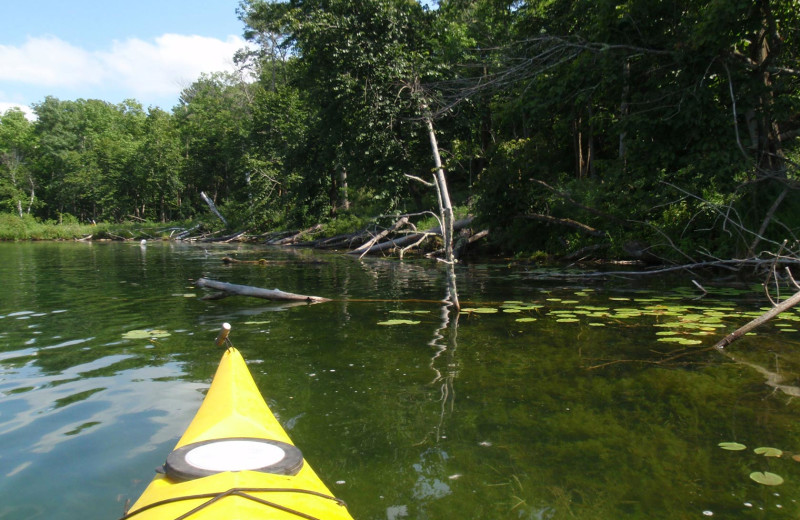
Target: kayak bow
[{"x": 235, "y": 461}]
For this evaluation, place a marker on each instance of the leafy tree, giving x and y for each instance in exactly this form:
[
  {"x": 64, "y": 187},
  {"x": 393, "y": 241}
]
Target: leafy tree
[
  {"x": 157, "y": 186},
  {"x": 354, "y": 59},
  {"x": 650, "y": 100},
  {"x": 213, "y": 117},
  {"x": 17, "y": 143}
]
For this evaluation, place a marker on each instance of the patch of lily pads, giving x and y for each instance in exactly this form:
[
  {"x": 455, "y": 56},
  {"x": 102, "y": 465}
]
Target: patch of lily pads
[
  {"x": 765, "y": 478},
  {"x": 398, "y": 322},
  {"x": 677, "y": 320},
  {"x": 146, "y": 334}
]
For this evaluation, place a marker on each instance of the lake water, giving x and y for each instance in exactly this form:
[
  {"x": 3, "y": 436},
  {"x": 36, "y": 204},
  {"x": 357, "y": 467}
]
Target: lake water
[{"x": 568, "y": 399}]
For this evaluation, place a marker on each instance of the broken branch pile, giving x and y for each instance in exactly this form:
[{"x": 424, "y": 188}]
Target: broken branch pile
[{"x": 400, "y": 236}]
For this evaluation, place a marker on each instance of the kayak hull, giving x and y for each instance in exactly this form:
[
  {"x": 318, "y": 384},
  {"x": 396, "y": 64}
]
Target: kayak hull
[{"x": 234, "y": 412}]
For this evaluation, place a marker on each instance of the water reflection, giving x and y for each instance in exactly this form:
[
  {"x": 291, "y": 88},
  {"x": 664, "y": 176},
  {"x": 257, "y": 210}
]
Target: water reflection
[
  {"x": 443, "y": 364},
  {"x": 468, "y": 416}
]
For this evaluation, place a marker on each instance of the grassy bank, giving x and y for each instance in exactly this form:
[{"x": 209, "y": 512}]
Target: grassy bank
[{"x": 13, "y": 228}]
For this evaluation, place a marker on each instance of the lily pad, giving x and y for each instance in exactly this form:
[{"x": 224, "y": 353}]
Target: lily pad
[
  {"x": 679, "y": 340},
  {"x": 530, "y": 307},
  {"x": 399, "y": 322},
  {"x": 525, "y": 320},
  {"x": 732, "y": 446},
  {"x": 482, "y": 310},
  {"x": 768, "y": 452},
  {"x": 146, "y": 334},
  {"x": 766, "y": 478}
]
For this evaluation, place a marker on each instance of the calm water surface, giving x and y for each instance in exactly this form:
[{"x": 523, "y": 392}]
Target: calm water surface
[{"x": 567, "y": 404}]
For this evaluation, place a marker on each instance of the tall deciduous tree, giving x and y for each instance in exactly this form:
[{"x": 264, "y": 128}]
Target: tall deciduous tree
[
  {"x": 213, "y": 118},
  {"x": 158, "y": 184},
  {"x": 354, "y": 59},
  {"x": 17, "y": 184}
]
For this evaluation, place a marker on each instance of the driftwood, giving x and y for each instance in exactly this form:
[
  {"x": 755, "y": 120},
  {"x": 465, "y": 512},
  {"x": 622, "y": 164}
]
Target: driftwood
[
  {"x": 362, "y": 250},
  {"x": 741, "y": 331},
  {"x": 229, "y": 289},
  {"x": 461, "y": 243},
  {"x": 224, "y": 239},
  {"x": 733, "y": 265},
  {"x": 260, "y": 261},
  {"x": 296, "y": 237},
  {"x": 274, "y": 236},
  {"x": 347, "y": 240},
  {"x": 415, "y": 237}
]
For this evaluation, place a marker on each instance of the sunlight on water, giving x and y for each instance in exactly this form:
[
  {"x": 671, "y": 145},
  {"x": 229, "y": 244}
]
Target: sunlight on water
[{"x": 542, "y": 400}]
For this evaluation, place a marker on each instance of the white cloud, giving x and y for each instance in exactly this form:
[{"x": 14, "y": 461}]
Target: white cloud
[
  {"x": 4, "y": 107},
  {"x": 46, "y": 61},
  {"x": 131, "y": 68},
  {"x": 172, "y": 62}
]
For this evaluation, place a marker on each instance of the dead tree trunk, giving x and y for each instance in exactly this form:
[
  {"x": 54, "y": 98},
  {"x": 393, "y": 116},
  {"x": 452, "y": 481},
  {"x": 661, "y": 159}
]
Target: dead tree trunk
[
  {"x": 741, "y": 331},
  {"x": 228, "y": 289},
  {"x": 446, "y": 211},
  {"x": 363, "y": 249},
  {"x": 213, "y": 208},
  {"x": 414, "y": 237}
]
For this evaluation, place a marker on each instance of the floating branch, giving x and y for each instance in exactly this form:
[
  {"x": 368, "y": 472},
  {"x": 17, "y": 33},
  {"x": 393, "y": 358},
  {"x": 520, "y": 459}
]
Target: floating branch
[
  {"x": 230, "y": 289},
  {"x": 741, "y": 331}
]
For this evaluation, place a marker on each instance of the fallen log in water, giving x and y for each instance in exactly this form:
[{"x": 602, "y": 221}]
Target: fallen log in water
[
  {"x": 229, "y": 289},
  {"x": 296, "y": 237},
  {"x": 415, "y": 237},
  {"x": 362, "y": 250}
]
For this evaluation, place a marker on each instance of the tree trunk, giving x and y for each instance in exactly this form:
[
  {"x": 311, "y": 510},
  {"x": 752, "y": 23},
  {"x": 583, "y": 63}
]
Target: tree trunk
[
  {"x": 446, "y": 211},
  {"x": 213, "y": 208},
  {"x": 345, "y": 201},
  {"x": 624, "y": 108},
  {"x": 770, "y": 152},
  {"x": 414, "y": 237},
  {"x": 364, "y": 248},
  {"x": 578, "y": 145},
  {"x": 257, "y": 292}
]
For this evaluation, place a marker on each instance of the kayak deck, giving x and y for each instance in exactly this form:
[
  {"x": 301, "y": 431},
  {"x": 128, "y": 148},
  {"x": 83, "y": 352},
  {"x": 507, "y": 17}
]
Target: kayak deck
[{"x": 246, "y": 465}]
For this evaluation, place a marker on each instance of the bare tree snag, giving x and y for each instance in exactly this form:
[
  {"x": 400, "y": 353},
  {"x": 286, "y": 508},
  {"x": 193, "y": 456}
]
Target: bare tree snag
[
  {"x": 460, "y": 244},
  {"x": 297, "y": 237},
  {"x": 213, "y": 208},
  {"x": 741, "y": 331},
  {"x": 414, "y": 237},
  {"x": 247, "y": 290},
  {"x": 446, "y": 211},
  {"x": 363, "y": 249}
]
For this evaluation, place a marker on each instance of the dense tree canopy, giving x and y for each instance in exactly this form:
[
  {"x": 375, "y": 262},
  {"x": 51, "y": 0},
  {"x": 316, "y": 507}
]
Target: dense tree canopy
[{"x": 654, "y": 129}]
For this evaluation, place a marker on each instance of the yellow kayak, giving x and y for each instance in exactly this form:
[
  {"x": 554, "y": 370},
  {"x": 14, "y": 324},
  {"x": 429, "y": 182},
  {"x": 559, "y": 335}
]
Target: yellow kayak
[{"x": 235, "y": 461}]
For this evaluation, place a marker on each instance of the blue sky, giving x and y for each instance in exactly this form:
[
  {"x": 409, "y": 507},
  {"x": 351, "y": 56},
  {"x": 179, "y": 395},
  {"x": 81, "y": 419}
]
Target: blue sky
[{"x": 148, "y": 50}]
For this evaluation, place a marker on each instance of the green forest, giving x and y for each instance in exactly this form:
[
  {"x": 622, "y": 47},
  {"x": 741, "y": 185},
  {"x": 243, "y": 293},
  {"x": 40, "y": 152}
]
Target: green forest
[{"x": 663, "y": 131}]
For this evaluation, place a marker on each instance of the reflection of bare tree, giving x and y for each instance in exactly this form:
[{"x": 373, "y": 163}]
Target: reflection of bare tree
[{"x": 443, "y": 363}]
